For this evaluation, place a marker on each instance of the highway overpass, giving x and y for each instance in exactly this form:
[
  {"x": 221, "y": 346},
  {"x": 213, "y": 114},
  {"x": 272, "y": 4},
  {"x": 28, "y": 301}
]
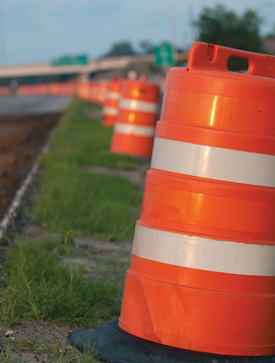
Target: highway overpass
[
  {"x": 99, "y": 65},
  {"x": 46, "y": 69}
]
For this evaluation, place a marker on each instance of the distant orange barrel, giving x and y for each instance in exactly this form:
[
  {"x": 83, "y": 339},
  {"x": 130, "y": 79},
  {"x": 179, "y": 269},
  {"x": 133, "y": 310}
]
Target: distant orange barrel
[
  {"x": 102, "y": 92},
  {"x": 138, "y": 113},
  {"x": 202, "y": 274},
  {"x": 67, "y": 89},
  {"x": 35, "y": 89},
  {"x": 111, "y": 104},
  {"x": 4, "y": 90},
  {"x": 62, "y": 88},
  {"x": 70, "y": 89},
  {"x": 39, "y": 88},
  {"x": 24, "y": 89},
  {"x": 84, "y": 91},
  {"x": 54, "y": 88},
  {"x": 43, "y": 88},
  {"x": 93, "y": 93},
  {"x": 98, "y": 90}
]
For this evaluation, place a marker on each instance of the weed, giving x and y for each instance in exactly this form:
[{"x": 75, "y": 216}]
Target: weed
[
  {"x": 81, "y": 141},
  {"x": 41, "y": 287},
  {"x": 88, "y": 204}
]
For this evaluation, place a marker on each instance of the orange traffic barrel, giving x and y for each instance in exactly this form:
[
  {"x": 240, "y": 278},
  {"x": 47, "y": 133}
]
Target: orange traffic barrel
[
  {"x": 202, "y": 274},
  {"x": 111, "y": 105},
  {"x": 54, "y": 88},
  {"x": 102, "y": 92},
  {"x": 138, "y": 112},
  {"x": 93, "y": 92},
  {"x": 84, "y": 91},
  {"x": 4, "y": 90},
  {"x": 97, "y": 92},
  {"x": 71, "y": 88}
]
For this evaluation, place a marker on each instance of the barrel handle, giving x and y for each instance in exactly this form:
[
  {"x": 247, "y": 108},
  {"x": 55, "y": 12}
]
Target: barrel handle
[{"x": 215, "y": 57}]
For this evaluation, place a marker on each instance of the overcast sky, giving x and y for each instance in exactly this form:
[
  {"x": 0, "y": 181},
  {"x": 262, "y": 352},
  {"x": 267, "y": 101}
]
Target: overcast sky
[{"x": 36, "y": 30}]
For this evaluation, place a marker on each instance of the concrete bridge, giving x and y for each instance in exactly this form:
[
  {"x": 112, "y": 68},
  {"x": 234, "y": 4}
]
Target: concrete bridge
[{"x": 46, "y": 69}]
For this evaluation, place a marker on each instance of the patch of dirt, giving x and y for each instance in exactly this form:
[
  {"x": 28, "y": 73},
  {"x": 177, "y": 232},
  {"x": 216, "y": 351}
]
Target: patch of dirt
[
  {"x": 21, "y": 140},
  {"x": 36, "y": 342}
]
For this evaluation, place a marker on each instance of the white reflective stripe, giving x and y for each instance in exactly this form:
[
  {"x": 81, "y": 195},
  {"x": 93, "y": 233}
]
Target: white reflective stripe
[
  {"x": 135, "y": 105},
  {"x": 214, "y": 162},
  {"x": 134, "y": 129},
  {"x": 110, "y": 111},
  {"x": 203, "y": 253},
  {"x": 112, "y": 95}
]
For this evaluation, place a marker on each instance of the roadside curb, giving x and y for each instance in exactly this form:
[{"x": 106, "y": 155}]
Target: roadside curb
[
  {"x": 11, "y": 213},
  {"x": 21, "y": 192}
]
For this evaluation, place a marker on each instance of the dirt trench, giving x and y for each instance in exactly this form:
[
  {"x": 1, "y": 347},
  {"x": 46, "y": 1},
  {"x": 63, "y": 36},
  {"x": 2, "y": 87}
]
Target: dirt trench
[{"x": 21, "y": 141}]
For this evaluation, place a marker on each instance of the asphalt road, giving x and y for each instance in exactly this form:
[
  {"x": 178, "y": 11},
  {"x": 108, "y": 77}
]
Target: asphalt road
[{"x": 32, "y": 105}]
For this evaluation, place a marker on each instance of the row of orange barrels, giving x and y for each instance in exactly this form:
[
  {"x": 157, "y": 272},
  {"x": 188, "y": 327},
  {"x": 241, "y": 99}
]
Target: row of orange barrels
[
  {"x": 130, "y": 106},
  {"x": 92, "y": 91}
]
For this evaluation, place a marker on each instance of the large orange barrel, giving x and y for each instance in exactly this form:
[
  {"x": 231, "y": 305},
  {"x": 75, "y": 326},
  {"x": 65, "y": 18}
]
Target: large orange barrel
[
  {"x": 202, "y": 274},
  {"x": 111, "y": 105},
  {"x": 138, "y": 112}
]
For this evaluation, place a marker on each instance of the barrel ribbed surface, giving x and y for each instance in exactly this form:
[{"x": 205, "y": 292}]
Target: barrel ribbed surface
[
  {"x": 202, "y": 274},
  {"x": 138, "y": 112}
]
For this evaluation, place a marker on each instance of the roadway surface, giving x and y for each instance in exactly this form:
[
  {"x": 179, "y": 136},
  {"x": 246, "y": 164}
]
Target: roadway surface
[{"x": 32, "y": 105}]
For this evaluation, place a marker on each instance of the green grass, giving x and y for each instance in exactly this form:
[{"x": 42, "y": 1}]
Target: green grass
[
  {"x": 88, "y": 203},
  {"x": 42, "y": 287},
  {"x": 80, "y": 202},
  {"x": 81, "y": 140},
  {"x": 42, "y": 282}
]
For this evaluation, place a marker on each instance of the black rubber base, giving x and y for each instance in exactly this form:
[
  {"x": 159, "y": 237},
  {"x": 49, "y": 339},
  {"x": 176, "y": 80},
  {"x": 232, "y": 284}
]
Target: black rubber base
[{"x": 113, "y": 345}]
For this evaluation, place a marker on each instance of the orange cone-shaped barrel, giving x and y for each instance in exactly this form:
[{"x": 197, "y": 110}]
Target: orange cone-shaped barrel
[
  {"x": 84, "y": 91},
  {"x": 202, "y": 274},
  {"x": 102, "y": 91},
  {"x": 110, "y": 109},
  {"x": 138, "y": 112}
]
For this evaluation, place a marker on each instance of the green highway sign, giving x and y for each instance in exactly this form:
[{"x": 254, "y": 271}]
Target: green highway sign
[
  {"x": 164, "y": 55},
  {"x": 70, "y": 60}
]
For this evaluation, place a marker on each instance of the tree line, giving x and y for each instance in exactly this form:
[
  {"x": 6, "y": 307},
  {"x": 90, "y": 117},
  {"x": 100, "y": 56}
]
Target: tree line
[{"x": 216, "y": 25}]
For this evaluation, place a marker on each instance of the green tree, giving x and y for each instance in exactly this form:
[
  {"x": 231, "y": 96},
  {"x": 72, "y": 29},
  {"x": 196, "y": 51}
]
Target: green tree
[
  {"x": 121, "y": 49},
  {"x": 146, "y": 46},
  {"x": 224, "y": 27}
]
